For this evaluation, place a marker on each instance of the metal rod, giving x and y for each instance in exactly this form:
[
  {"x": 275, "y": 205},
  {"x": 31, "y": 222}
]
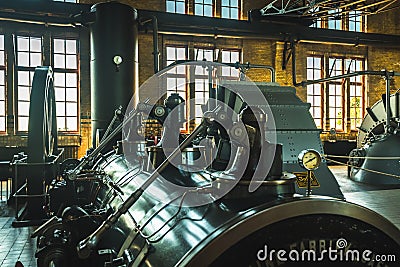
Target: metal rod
[
  {"x": 236, "y": 65},
  {"x": 117, "y": 113},
  {"x": 212, "y": 94},
  {"x": 397, "y": 107},
  {"x": 388, "y": 110},
  {"x": 72, "y": 175},
  {"x": 247, "y": 65},
  {"x": 156, "y": 52},
  {"x": 347, "y": 75},
  {"x": 309, "y": 173}
]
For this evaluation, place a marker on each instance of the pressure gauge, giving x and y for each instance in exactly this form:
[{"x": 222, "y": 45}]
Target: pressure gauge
[
  {"x": 159, "y": 111},
  {"x": 309, "y": 159},
  {"x": 117, "y": 60}
]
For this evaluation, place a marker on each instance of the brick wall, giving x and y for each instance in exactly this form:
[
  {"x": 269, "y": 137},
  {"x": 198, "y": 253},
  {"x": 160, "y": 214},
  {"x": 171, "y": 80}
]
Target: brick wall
[
  {"x": 271, "y": 53},
  {"x": 253, "y": 51}
]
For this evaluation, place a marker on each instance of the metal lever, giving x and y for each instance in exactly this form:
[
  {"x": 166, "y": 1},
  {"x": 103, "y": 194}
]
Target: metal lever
[
  {"x": 117, "y": 114},
  {"x": 72, "y": 175}
]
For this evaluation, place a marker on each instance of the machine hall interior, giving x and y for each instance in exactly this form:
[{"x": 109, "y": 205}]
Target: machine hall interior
[{"x": 199, "y": 133}]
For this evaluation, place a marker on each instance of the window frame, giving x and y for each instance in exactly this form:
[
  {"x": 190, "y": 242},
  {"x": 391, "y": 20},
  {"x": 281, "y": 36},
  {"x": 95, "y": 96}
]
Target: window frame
[
  {"x": 314, "y": 108},
  {"x": 175, "y": 2},
  {"x": 196, "y": 3},
  {"x": 346, "y": 86},
  {"x": 346, "y": 19},
  {"x": 66, "y": 71},
  {"x": 230, "y": 7},
  {"x": 18, "y": 70},
  {"x": 193, "y": 78},
  {"x": 3, "y": 70}
]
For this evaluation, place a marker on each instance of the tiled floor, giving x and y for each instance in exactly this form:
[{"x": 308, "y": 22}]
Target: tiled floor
[{"x": 16, "y": 244}]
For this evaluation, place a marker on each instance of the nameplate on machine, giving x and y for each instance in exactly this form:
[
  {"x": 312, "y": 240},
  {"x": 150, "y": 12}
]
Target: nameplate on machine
[{"x": 301, "y": 179}]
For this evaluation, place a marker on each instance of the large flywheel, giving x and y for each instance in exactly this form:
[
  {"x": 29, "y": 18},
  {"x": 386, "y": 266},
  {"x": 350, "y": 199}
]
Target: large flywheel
[
  {"x": 42, "y": 139},
  {"x": 42, "y": 128}
]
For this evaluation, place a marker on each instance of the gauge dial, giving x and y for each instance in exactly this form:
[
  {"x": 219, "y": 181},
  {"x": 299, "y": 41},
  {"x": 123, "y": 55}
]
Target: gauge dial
[{"x": 309, "y": 159}]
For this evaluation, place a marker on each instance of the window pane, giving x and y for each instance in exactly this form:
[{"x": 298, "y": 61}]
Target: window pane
[
  {"x": 171, "y": 55},
  {"x": 59, "y": 94},
  {"x": 1, "y": 42},
  {"x": 71, "y": 62},
  {"x": 60, "y": 106},
  {"x": 36, "y": 45},
  {"x": 59, "y": 79},
  {"x": 72, "y": 79},
  {"x": 23, "y": 108},
  {"x": 2, "y": 59},
  {"x": 180, "y": 7},
  {"x": 23, "y": 124},
  {"x": 70, "y": 46},
  {"x": 208, "y": 11},
  {"x": 225, "y": 12},
  {"x": 23, "y": 59},
  {"x": 71, "y": 94},
  {"x": 72, "y": 123},
  {"x": 24, "y": 93},
  {"x": 59, "y": 46},
  {"x": 72, "y": 109},
  {"x": 234, "y": 13},
  {"x": 2, "y": 108},
  {"x": 36, "y": 59},
  {"x": 23, "y": 78},
  {"x": 2, "y": 124},
  {"x": 59, "y": 61},
  {"x": 23, "y": 44},
  {"x": 61, "y": 123},
  {"x": 170, "y": 6}
]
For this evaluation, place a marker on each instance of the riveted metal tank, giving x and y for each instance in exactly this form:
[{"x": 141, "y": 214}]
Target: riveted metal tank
[{"x": 114, "y": 61}]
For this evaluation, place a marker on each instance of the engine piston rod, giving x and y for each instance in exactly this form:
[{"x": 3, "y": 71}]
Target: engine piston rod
[{"x": 72, "y": 175}]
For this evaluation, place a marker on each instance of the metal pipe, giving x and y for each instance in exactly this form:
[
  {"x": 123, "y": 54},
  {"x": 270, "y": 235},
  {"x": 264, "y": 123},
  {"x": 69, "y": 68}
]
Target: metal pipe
[
  {"x": 32, "y": 19},
  {"x": 348, "y": 75},
  {"x": 212, "y": 94},
  {"x": 388, "y": 110},
  {"x": 247, "y": 65},
  {"x": 294, "y": 78},
  {"x": 156, "y": 52},
  {"x": 397, "y": 107},
  {"x": 117, "y": 114}
]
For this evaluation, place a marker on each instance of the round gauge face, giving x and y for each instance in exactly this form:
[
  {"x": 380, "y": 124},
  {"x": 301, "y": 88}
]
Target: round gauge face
[
  {"x": 117, "y": 60},
  {"x": 310, "y": 159},
  {"x": 159, "y": 111}
]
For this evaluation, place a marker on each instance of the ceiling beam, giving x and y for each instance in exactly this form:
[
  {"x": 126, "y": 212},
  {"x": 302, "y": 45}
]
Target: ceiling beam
[
  {"x": 271, "y": 30},
  {"x": 169, "y": 23}
]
